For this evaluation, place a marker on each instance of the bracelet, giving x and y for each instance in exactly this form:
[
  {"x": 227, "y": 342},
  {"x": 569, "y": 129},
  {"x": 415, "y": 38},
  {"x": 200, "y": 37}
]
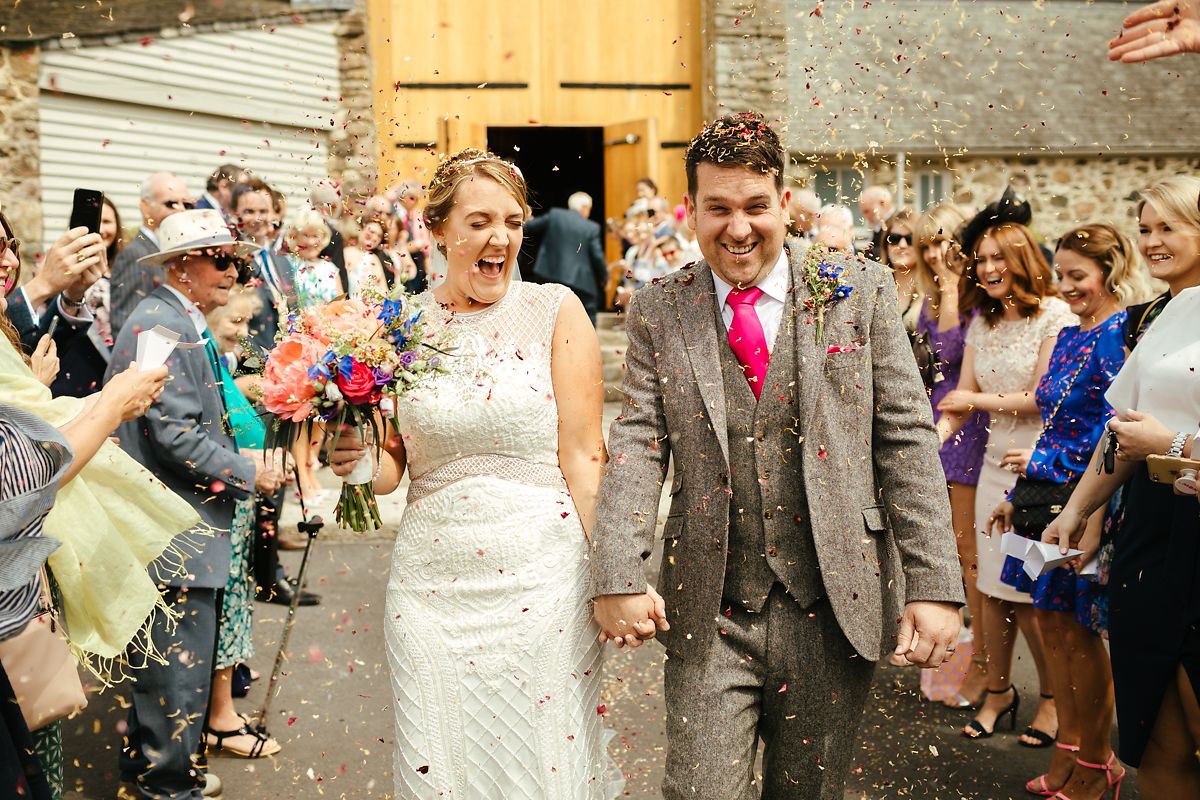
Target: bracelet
[
  {"x": 69, "y": 302},
  {"x": 1176, "y": 449}
]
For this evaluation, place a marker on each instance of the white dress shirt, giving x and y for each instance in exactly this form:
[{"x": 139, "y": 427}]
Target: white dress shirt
[
  {"x": 149, "y": 234},
  {"x": 192, "y": 310},
  {"x": 769, "y": 306}
]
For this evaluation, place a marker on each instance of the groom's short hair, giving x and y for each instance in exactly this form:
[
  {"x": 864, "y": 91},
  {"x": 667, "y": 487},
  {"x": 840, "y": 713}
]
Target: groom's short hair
[{"x": 736, "y": 140}]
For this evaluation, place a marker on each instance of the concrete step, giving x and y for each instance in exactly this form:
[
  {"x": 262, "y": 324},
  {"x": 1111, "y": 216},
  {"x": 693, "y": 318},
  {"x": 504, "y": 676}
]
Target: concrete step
[{"x": 610, "y": 328}]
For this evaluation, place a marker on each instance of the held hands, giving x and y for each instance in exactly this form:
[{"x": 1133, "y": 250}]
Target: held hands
[
  {"x": 928, "y": 633},
  {"x": 1140, "y": 435},
  {"x": 1160, "y": 29},
  {"x": 130, "y": 393},
  {"x": 630, "y": 619},
  {"x": 44, "y": 361}
]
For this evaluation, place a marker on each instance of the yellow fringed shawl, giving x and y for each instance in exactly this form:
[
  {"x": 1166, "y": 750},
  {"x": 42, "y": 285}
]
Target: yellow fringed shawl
[{"x": 113, "y": 520}]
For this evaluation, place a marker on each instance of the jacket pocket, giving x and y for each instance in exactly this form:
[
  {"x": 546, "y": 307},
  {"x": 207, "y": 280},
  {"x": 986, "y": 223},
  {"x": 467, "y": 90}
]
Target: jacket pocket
[{"x": 875, "y": 518}]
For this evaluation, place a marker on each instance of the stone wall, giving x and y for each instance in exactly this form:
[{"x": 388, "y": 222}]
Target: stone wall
[
  {"x": 20, "y": 151},
  {"x": 746, "y": 57},
  {"x": 1064, "y": 191},
  {"x": 353, "y": 146}
]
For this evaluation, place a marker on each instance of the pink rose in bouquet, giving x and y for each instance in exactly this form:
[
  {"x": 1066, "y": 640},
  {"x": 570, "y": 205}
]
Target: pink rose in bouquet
[
  {"x": 347, "y": 319},
  {"x": 288, "y": 390}
]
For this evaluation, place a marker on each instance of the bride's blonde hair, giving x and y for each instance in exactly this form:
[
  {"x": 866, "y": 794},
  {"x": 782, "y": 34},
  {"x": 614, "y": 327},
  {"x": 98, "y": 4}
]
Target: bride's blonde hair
[{"x": 463, "y": 165}]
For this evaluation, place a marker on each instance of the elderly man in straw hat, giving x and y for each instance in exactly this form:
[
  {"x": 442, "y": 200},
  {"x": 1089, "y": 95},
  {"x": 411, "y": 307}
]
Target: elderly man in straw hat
[{"x": 184, "y": 440}]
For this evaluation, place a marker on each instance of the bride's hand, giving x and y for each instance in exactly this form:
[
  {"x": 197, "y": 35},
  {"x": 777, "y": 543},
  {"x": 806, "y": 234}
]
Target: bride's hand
[
  {"x": 647, "y": 628},
  {"x": 350, "y": 450}
]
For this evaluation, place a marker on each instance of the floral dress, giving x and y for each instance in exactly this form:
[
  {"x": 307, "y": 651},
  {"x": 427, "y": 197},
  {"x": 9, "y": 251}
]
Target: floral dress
[
  {"x": 316, "y": 281},
  {"x": 1071, "y": 398}
]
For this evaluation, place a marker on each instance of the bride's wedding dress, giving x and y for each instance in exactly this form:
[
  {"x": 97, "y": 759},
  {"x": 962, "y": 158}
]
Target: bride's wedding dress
[{"x": 493, "y": 652}]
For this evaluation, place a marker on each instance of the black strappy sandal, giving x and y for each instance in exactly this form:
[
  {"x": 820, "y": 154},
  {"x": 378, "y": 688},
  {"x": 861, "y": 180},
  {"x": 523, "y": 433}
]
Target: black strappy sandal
[
  {"x": 977, "y": 731},
  {"x": 1043, "y": 739},
  {"x": 261, "y": 740}
]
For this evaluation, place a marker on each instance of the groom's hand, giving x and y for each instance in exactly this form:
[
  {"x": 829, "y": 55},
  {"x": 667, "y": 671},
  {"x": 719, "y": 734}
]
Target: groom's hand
[
  {"x": 629, "y": 619},
  {"x": 928, "y": 633}
]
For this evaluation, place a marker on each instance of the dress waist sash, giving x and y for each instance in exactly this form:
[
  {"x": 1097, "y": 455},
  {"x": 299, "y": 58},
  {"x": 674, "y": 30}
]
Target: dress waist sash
[{"x": 510, "y": 468}]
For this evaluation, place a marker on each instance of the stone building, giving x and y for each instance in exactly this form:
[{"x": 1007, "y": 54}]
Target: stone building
[{"x": 955, "y": 100}]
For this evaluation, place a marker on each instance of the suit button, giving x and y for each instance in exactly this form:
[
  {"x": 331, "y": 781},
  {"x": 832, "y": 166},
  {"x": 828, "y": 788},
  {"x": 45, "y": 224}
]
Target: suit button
[{"x": 767, "y": 514}]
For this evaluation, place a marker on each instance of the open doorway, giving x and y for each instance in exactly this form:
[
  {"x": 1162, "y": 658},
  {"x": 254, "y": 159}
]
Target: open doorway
[{"x": 556, "y": 162}]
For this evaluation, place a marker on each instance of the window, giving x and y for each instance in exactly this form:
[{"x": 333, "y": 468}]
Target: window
[
  {"x": 931, "y": 188},
  {"x": 842, "y": 186}
]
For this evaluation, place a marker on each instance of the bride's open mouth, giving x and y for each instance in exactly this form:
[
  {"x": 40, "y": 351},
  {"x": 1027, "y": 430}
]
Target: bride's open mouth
[{"x": 490, "y": 267}]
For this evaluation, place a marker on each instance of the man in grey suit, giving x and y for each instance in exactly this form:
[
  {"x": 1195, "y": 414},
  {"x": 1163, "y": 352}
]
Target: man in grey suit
[
  {"x": 808, "y": 507},
  {"x": 163, "y": 194},
  {"x": 184, "y": 440},
  {"x": 571, "y": 252}
]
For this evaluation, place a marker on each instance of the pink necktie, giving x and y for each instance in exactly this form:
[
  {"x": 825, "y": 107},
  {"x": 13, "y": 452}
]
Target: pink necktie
[{"x": 746, "y": 337}]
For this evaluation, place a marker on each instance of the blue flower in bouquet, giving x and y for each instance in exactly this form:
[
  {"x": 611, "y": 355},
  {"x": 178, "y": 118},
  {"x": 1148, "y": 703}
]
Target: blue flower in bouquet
[
  {"x": 345, "y": 366},
  {"x": 390, "y": 310},
  {"x": 321, "y": 369}
]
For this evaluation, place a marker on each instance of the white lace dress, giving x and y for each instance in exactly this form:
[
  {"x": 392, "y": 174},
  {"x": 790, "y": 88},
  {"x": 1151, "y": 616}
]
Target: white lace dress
[
  {"x": 493, "y": 652},
  {"x": 1006, "y": 356}
]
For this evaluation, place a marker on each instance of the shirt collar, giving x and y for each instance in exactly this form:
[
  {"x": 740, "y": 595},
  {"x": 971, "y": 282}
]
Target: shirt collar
[
  {"x": 192, "y": 310},
  {"x": 149, "y": 234},
  {"x": 774, "y": 286}
]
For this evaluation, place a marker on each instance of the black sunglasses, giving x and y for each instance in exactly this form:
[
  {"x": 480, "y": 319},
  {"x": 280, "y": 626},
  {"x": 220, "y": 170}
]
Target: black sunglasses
[
  {"x": 179, "y": 205},
  {"x": 897, "y": 238},
  {"x": 7, "y": 244}
]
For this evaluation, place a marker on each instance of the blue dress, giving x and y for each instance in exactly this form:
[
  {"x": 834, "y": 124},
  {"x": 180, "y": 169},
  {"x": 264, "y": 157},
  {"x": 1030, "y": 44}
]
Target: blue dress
[{"x": 1074, "y": 413}]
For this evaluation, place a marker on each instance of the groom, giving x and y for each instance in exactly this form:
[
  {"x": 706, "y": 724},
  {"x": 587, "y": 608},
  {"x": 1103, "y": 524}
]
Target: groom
[{"x": 809, "y": 529}]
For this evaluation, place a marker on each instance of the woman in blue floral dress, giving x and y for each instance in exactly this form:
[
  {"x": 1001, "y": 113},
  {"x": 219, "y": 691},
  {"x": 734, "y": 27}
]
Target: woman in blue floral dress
[{"x": 1098, "y": 273}]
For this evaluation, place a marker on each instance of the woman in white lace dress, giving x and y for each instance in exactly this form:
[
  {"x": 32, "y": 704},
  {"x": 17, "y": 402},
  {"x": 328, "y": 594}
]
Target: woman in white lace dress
[
  {"x": 1007, "y": 352},
  {"x": 493, "y": 652}
]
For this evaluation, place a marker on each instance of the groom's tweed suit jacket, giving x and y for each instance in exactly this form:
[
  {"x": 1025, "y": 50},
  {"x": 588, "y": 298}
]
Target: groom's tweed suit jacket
[{"x": 876, "y": 494}]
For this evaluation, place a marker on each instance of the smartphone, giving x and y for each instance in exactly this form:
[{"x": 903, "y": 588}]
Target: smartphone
[
  {"x": 85, "y": 210},
  {"x": 1165, "y": 469},
  {"x": 53, "y": 326}
]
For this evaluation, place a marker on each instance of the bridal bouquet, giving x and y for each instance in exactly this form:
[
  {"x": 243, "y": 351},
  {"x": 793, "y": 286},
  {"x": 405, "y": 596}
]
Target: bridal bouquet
[{"x": 346, "y": 363}]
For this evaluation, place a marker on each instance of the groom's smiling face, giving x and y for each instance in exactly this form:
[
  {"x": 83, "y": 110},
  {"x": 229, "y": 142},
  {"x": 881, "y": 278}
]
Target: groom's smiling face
[{"x": 740, "y": 218}]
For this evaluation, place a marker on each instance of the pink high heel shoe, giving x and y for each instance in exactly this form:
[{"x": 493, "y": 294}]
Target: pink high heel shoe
[
  {"x": 1107, "y": 767},
  {"x": 1038, "y": 785}
]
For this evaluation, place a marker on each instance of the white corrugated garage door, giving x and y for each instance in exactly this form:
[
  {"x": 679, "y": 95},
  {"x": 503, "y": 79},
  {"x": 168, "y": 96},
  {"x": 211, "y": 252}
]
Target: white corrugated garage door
[{"x": 263, "y": 99}]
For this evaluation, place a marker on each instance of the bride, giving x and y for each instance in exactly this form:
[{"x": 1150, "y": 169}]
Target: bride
[{"x": 493, "y": 652}]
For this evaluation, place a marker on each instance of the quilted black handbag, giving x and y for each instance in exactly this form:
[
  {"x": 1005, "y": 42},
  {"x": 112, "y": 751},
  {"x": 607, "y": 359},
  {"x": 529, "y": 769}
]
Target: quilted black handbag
[{"x": 1037, "y": 503}]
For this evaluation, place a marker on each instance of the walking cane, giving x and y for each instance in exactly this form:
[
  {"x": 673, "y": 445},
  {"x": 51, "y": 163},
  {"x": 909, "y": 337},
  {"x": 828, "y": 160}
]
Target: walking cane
[{"x": 311, "y": 527}]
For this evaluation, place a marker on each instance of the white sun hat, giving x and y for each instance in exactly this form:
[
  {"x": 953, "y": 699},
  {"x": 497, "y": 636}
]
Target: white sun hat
[{"x": 193, "y": 230}]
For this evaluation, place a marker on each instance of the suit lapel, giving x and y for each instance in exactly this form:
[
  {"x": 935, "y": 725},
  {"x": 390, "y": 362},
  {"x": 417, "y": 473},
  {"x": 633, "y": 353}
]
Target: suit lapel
[
  {"x": 809, "y": 359},
  {"x": 698, "y": 329}
]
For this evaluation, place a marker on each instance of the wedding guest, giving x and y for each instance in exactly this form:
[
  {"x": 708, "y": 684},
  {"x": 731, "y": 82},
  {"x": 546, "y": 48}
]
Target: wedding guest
[
  {"x": 162, "y": 194},
  {"x": 1154, "y": 610},
  {"x": 570, "y": 252},
  {"x": 226, "y": 731},
  {"x": 876, "y": 205},
  {"x": 1098, "y": 272},
  {"x": 671, "y": 252},
  {"x": 413, "y": 235},
  {"x": 82, "y": 366},
  {"x": 900, "y": 256},
  {"x": 1008, "y": 345},
  {"x": 642, "y": 262},
  {"x": 326, "y": 200},
  {"x": 218, "y": 190},
  {"x": 365, "y": 262},
  {"x": 802, "y": 215},
  {"x": 939, "y": 346},
  {"x": 185, "y": 442},
  {"x": 835, "y": 228},
  {"x": 316, "y": 282}
]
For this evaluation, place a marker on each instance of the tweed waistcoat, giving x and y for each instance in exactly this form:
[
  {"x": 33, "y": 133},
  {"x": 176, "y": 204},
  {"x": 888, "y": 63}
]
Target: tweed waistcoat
[{"x": 769, "y": 534}]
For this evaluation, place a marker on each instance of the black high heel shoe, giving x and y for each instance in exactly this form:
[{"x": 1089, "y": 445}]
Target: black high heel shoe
[
  {"x": 1043, "y": 739},
  {"x": 975, "y": 729}
]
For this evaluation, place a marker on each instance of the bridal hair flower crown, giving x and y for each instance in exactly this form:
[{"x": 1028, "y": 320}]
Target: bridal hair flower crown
[{"x": 453, "y": 165}]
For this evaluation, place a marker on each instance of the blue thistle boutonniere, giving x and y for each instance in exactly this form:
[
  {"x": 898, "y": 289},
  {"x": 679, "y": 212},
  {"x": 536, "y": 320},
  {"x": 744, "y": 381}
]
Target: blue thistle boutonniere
[{"x": 824, "y": 280}]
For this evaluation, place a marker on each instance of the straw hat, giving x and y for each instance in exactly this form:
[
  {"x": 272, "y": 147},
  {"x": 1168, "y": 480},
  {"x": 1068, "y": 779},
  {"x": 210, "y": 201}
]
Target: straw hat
[{"x": 193, "y": 230}]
